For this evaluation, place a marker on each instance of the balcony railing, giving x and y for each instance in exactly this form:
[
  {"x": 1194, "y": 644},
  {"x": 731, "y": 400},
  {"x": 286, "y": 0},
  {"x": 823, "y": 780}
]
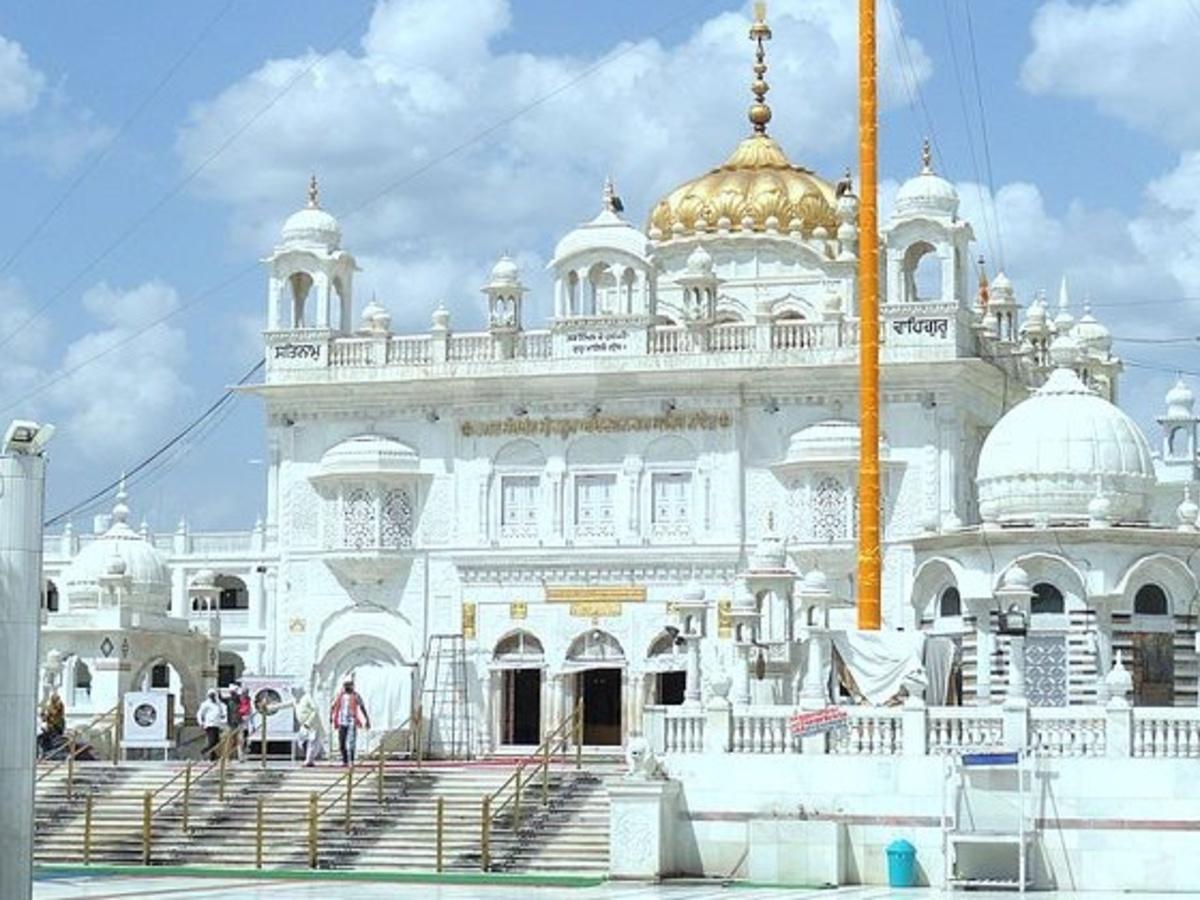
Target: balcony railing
[{"x": 1114, "y": 730}]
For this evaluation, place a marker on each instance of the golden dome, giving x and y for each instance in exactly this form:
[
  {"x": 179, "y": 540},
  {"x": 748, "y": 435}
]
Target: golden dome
[
  {"x": 758, "y": 185},
  {"x": 758, "y": 188}
]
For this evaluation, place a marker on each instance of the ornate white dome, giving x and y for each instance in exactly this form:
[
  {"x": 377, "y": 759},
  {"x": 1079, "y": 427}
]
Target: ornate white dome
[
  {"x": 1091, "y": 334},
  {"x": 120, "y": 553},
  {"x": 832, "y": 439},
  {"x": 1180, "y": 401},
  {"x": 1042, "y": 460},
  {"x": 927, "y": 193},
  {"x": 771, "y": 552},
  {"x": 608, "y": 231},
  {"x": 505, "y": 273},
  {"x": 368, "y": 456},
  {"x": 312, "y": 225},
  {"x": 699, "y": 261}
]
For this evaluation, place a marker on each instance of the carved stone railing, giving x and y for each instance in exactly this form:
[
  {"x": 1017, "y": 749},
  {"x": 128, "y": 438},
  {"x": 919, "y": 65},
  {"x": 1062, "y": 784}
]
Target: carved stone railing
[
  {"x": 909, "y": 331},
  {"x": 1115, "y": 730},
  {"x": 1167, "y": 733}
]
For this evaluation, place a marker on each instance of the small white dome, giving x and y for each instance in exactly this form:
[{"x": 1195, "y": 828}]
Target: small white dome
[
  {"x": 1001, "y": 282},
  {"x": 693, "y": 593},
  {"x": 1016, "y": 577},
  {"x": 832, "y": 439},
  {"x": 699, "y": 261},
  {"x": 371, "y": 312},
  {"x": 1042, "y": 459},
  {"x": 368, "y": 455},
  {"x": 205, "y": 579},
  {"x": 815, "y": 580},
  {"x": 505, "y": 273},
  {"x": 312, "y": 226},
  {"x": 771, "y": 552},
  {"x": 607, "y": 232},
  {"x": 120, "y": 552},
  {"x": 1180, "y": 401},
  {"x": 1091, "y": 334},
  {"x": 927, "y": 193}
]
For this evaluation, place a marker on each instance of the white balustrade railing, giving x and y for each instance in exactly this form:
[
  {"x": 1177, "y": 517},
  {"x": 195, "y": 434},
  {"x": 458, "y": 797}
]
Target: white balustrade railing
[
  {"x": 409, "y": 350},
  {"x": 470, "y": 347},
  {"x": 731, "y": 338},
  {"x": 763, "y": 729},
  {"x": 683, "y": 730},
  {"x": 353, "y": 352},
  {"x": 1068, "y": 731},
  {"x": 953, "y": 729},
  {"x": 535, "y": 345},
  {"x": 218, "y": 543},
  {"x": 869, "y": 731},
  {"x": 668, "y": 339},
  {"x": 1165, "y": 732}
]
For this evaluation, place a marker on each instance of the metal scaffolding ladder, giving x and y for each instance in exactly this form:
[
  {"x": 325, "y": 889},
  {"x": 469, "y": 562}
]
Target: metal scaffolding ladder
[
  {"x": 445, "y": 698},
  {"x": 981, "y": 847}
]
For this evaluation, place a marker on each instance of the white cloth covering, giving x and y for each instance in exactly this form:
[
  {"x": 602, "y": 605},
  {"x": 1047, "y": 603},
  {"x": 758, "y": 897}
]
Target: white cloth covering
[{"x": 882, "y": 662}]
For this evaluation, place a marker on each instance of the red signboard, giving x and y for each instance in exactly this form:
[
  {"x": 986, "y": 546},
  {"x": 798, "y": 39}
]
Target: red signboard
[{"x": 832, "y": 718}]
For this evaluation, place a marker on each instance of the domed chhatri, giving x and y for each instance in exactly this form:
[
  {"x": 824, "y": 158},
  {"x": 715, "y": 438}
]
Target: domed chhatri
[
  {"x": 1042, "y": 460},
  {"x": 312, "y": 225},
  {"x": 927, "y": 193},
  {"x": 757, "y": 188}
]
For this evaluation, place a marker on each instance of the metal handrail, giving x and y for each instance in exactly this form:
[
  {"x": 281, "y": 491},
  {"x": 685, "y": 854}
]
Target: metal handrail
[
  {"x": 559, "y": 738},
  {"x": 223, "y": 748},
  {"x": 378, "y": 754},
  {"x": 73, "y": 747}
]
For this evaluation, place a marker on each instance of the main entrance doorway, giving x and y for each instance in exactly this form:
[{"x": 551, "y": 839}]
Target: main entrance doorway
[
  {"x": 600, "y": 690},
  {"x": 670, "y": 688},
  {"x": 521, "y": 721}
]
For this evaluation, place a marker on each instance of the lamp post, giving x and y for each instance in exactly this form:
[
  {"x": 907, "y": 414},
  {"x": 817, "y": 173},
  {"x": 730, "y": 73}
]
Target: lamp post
[
  {"x": 22, "y": 499},
  {"x": 691, "y": 613}
]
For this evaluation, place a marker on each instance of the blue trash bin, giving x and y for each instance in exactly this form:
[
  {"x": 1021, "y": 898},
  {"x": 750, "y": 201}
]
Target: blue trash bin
[{"x": 901, "y": 864}]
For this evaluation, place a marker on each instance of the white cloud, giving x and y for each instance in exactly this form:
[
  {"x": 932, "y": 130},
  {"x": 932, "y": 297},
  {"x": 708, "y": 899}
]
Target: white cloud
[
  {"x": 20, "y": 83},
  {"x": 423, "y": 83},
  {"x": 1134, "y": 59},
  {"x": 112, "y": 406}
]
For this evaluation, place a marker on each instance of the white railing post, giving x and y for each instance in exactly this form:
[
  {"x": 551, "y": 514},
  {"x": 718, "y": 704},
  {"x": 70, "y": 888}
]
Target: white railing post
[
  {"x": 654, "y": 726},
  {"x": 1118, "y": 727},
  {"x": 717, "y": 726},
  {"x": 914, "y": 724}
]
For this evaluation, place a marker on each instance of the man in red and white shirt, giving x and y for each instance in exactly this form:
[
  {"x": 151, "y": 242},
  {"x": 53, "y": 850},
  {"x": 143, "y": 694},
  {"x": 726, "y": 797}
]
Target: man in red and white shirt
[{"x": 347, "y": 715}]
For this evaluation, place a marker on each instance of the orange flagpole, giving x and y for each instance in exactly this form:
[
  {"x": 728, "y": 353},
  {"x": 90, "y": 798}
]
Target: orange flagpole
[{"x": 869, "y": 556}]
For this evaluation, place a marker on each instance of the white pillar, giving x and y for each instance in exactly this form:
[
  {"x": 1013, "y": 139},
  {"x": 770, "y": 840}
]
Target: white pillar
[
  {"x": 22, "y": 483},
  {"x": 984, "y": 645},
  {"x": 691, "y": 691}
]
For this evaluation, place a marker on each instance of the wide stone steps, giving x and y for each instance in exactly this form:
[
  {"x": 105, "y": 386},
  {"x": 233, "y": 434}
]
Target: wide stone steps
[{"x": 569, "y": 834}]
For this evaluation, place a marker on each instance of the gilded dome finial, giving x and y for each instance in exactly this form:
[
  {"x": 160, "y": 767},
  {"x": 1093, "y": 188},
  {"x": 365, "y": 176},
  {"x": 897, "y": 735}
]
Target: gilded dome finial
[
  {"x": 760, "y": 113},
  {"x": 314, "y": 193}
]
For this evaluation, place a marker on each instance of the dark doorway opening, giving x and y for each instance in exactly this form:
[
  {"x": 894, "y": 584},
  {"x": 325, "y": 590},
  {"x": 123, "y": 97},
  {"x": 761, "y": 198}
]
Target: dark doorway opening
[
  {"x": 601, "y": 693},
  {"x": 522, "y": 711},
  {"x": 1153, "y": 668},
  {"x": 671, "y": 686}
]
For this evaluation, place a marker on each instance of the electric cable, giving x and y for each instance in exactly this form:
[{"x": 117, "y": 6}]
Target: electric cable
[{"x": 983, "y": 120}]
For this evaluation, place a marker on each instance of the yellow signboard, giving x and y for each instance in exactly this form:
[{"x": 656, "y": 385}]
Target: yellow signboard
[{"x": 601, "y": 593}]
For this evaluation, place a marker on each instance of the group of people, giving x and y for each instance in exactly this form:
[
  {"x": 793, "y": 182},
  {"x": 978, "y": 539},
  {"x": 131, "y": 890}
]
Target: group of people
[
  {"x": 347, "y": 715},
  {"x": 51, "y": 736}
]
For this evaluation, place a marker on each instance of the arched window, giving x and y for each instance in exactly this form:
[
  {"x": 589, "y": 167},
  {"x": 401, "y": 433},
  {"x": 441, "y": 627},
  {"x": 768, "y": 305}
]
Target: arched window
[
  {"x": 922, "y": 269},
  {"x": 233, "y": 593},
  {"x": 160, "y": 676},
  {"x": 1150, "y": 600},
  {"x": 950, "y": 602},
  {"x": 1047, "y": 599}
]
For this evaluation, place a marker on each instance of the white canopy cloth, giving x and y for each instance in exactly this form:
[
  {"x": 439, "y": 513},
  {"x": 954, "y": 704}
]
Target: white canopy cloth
[{"x": 882, "y": 662}]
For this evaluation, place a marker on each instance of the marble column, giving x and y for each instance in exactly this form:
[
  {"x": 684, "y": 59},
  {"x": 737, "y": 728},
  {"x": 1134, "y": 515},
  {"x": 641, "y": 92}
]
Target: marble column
[{"x": 22, "y": 479}]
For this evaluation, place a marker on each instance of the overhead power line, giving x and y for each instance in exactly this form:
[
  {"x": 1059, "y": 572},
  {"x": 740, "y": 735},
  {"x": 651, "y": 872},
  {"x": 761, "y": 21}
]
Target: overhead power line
[
  {"x": 102, "y": 154},
  {"x": 191, "y": 427},
  {"x": 983, "y": 128}
]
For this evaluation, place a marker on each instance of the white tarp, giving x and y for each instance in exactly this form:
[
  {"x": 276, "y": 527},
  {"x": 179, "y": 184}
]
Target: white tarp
[{"x": 882, "y": 662}]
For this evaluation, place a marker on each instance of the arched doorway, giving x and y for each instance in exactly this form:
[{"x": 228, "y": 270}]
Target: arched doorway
[
  {"x": 1152, "y": 635},
  {"x": 667, "y": 667},
  {"x": 521, "y": 661},
  {"x": 381, "y": 677},
  {"x": 230, "y": 667},
  {"x": 599, "y": 665}
]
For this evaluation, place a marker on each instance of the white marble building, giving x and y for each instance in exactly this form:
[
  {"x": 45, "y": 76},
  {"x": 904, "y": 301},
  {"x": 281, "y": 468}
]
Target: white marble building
[{"x": 551, "y": 490}]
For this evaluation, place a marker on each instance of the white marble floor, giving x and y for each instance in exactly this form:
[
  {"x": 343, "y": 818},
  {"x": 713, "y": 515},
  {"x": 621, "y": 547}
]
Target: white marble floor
[{"x": 120, "y": 888}]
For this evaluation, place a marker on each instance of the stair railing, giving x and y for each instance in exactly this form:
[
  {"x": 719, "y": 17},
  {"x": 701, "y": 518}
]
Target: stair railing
[
  {"x": 568, "y": 732},
  {"x": 76, "y": 745},
  {"x": 340, "y": 792}
]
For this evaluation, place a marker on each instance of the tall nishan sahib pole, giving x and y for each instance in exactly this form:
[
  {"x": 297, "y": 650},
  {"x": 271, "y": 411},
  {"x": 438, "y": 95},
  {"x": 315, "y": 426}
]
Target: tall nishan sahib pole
[
  {"x": 869, "y": 556},
  {"x": 22, "y": 477}
]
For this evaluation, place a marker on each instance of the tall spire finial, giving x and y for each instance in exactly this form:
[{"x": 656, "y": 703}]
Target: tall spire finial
[
  {"x": 760, "y": 113},
  {"x": 314, "y": 193},
  {"x": 609, "y": 200},
  {"x": 926, "y": 157},
  {"x": 1064, "y": 299},
  {"x": 120, "y": 511}
]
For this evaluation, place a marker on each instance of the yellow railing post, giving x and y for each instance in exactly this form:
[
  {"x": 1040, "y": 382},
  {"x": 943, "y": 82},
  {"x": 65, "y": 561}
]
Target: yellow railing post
[
  {"x": 187, "y": 792},
  {"x": 349, "y": 794},
  {"x": 71, "y": 767},
  {"x": 441, "y": 822},
  {"x": 262, "y": 712},
  {"x": 517, "y": 803},
  {"x": 258, "y": 834},
  {"x": 147, "y": 812},
  {"x": 223, "y": 750},
  {"x": 312, "y": 830},
  {"x": 485, "y": 834},
  {"x": 116, "y": 740},
  {"x": 379, "y": 779},
  {"x": 87, "y": 830},
  {"x": 420, "y": 725},
  {"x": 578, "y": 734},
  {"x": 546, "y": 774}
]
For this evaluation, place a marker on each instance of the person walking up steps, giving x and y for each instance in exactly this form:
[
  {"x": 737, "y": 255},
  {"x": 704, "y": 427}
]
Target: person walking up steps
[
  {"x": 347, "y": 715},
  {"x": 211, "y": 716}
]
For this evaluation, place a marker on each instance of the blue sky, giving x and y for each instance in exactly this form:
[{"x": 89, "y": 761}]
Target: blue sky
[{"x": 1094, "y": 145}]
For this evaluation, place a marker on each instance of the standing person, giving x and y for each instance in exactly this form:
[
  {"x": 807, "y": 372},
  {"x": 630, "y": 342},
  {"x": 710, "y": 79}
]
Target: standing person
[
  {"x": 233, "y": 716},
  {"x": 245, "y": 711},
  {"x": 308, "y": 718},
  {"x": 347, "y": 715},
  {"x": 211, "y": 716},
  {"x": 54, "y": 724}
]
